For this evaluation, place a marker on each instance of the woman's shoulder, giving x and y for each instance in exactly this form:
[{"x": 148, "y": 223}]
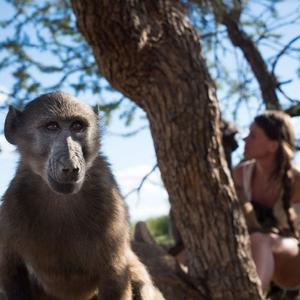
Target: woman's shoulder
[{"x": 238, "y": 170}]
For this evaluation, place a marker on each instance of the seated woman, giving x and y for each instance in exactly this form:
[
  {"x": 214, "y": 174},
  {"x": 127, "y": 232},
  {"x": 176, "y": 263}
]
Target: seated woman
[{"x": 270, "y": 185}]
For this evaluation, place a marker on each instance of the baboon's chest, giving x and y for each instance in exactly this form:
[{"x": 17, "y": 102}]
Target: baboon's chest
[
  {"x": 64, "y": 257},
  {"x": 63, "y": 270}
]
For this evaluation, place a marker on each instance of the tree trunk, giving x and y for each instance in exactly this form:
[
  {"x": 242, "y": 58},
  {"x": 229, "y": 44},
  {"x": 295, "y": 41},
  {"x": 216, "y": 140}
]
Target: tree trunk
[{"x": 151, "y": 53}]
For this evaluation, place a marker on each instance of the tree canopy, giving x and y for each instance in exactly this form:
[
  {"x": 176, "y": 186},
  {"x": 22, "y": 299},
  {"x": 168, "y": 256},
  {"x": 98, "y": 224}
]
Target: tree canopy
[{"x": 246, "y": 44}]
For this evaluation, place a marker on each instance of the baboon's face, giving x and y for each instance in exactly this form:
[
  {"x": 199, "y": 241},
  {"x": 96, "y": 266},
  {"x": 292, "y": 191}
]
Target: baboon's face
[{"x": 57, "y": 137}]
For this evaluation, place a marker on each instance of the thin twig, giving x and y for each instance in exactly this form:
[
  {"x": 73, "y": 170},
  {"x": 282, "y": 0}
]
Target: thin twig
[
  {"x": 286, "y": 96},
  {"x": 285, "y": 48},
  {"x": 138, "y": 189}
]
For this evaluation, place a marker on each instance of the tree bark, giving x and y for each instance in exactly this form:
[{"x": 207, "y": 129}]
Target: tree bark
[{"x": 151, "y": 53}]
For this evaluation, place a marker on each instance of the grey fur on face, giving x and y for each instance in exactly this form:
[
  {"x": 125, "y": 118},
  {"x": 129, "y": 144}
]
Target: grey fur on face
[{"x": 64, "y": 138}]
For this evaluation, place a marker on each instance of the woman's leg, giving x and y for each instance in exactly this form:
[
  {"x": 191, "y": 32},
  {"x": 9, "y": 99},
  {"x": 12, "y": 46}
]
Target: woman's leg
[
  {"x": 276, "y": 257},
  {"x": 287, "y": 261},
  {"x": 261, "y": 248}
]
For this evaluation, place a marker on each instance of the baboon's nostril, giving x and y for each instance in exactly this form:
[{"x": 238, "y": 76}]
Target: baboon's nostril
[
  {"x": 69, "y": 170},
  {"x": 65, "y": 170},
  {"x": 76, "y": 170},
  {"x": 72, "y": 170}
]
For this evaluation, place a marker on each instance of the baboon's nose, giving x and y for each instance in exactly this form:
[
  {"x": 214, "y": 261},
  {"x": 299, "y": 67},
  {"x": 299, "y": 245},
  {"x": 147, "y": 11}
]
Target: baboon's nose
[{"x": 70, "y": 172}]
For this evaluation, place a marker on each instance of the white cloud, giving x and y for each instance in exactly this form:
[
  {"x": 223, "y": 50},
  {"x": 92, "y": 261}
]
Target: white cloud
[
  {"x": 152, "y": 199},
  {"x": 3, "y": 99},
  {"x": 6, "y": 148},
  {"x": 8, "y": 163}
]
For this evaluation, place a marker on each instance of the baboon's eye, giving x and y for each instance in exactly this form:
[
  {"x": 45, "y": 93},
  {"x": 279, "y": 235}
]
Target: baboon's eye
[
  {"x": 52, "y": 126},
  {"x": 77, "y": 126}
]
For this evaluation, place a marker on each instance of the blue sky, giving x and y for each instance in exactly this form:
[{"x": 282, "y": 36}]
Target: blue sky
[{"x": 132, "y": 158}]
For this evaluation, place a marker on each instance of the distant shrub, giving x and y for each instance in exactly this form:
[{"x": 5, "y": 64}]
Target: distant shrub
[{"x": 159, "y": 228}]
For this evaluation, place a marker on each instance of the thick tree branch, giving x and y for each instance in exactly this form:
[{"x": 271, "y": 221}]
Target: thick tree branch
[{"x": 266, "y": 80}]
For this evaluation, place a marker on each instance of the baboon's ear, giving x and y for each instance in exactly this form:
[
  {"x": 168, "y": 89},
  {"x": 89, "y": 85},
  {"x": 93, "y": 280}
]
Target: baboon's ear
[{"x": 11, "y": 124}]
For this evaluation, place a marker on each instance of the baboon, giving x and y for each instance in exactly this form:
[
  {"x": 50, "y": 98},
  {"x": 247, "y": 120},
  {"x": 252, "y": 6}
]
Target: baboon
[{"x": 63, "y": 223}]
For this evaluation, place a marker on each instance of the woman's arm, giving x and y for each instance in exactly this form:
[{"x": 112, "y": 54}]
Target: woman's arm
[{"x": 247, "y": 207}]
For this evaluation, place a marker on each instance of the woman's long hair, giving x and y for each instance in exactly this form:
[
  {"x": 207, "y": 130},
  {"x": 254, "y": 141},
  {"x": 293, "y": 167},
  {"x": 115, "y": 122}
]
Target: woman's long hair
[{"x": 277, "y": 126}]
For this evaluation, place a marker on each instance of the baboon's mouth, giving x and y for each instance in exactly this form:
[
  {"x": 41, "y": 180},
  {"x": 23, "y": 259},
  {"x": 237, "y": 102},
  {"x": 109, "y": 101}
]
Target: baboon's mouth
[{"x": 65, "y": 187}]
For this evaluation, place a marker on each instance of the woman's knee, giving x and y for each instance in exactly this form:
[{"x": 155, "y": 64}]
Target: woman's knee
[{"x": 286, "y": 246}]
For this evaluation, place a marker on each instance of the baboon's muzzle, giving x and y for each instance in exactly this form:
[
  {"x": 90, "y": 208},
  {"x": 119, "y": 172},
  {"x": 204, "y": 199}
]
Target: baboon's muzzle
[{"x": 66, "y": 167}]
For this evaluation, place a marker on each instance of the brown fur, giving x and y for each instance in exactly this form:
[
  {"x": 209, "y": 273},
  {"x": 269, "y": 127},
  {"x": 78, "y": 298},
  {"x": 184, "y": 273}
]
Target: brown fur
[{"x": 64, "y": 226}]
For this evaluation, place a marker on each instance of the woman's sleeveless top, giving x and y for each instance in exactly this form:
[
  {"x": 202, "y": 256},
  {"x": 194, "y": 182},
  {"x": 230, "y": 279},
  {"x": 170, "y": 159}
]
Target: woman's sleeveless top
[{"x": 269, "y": 218}]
